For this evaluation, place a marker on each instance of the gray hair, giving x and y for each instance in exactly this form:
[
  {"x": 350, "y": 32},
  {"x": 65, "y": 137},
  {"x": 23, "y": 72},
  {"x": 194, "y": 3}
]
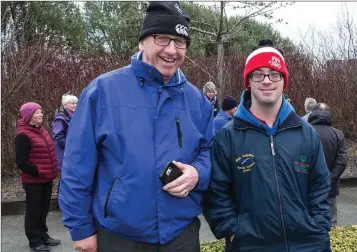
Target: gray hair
[
  {"x": 310, "y": 103},
  {"x": 209, "y": 87},
  {"x": 67, "y": 98}
]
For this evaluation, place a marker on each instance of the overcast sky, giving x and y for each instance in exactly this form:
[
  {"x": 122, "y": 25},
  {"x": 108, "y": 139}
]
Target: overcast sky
[{"x": 302, "y": 15}]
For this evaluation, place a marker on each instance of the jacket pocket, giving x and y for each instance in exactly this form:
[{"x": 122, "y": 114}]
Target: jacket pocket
[
  {"x": 108, "y": 196},
  {"x": 242, "y": 220}
]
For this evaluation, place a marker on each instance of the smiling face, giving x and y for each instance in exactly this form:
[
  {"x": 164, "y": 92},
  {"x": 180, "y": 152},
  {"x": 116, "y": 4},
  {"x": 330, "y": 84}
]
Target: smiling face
[
  {"x": 166, "y": 59},
  {"x": 266, "y": 92},
  {"x": 210, "y": 94},
  {"x": 37, "y": 118}
]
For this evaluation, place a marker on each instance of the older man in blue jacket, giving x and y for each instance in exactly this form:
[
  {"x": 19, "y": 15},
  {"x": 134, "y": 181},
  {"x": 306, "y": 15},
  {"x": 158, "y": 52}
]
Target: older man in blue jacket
[
  {"x": 270, "y": 182},
  {"x": 128, "y": 124}
]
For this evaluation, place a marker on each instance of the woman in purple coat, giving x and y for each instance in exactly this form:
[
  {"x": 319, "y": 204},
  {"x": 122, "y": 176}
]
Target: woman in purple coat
[{"x": 60, "y": 124}]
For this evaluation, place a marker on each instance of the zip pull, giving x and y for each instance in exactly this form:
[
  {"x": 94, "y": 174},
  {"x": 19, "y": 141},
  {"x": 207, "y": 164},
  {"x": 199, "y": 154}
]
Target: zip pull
[
  {"x": 272, "y": 145},
  {"x": 179, "y": 132},
  {"x": 158, "y": 97},
  {"x": 141, "y": 82}
]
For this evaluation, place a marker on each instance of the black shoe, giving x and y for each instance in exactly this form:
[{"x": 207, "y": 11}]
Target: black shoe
[
  {"x": 52, "y": 242},
  {"x": 41, "y": 248}
]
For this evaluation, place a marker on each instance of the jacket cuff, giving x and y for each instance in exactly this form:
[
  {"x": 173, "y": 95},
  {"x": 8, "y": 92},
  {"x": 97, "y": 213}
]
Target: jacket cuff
[
  {"x": 83, "y": 231},
  {"x": 203, "y": 177}
]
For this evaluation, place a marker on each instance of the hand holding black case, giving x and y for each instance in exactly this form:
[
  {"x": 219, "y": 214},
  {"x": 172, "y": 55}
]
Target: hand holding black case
[{"x": 170, "y": 173}]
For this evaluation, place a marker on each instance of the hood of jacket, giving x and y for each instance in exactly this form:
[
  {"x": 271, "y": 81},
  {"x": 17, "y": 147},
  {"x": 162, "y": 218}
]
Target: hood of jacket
[{"x": 320, "y": 117}]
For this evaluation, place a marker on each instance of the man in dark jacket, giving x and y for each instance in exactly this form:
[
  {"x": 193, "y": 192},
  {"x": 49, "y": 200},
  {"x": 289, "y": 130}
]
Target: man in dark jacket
[
  {"x": 269, "y": 182},
  {"x": 335, "y": 149}
]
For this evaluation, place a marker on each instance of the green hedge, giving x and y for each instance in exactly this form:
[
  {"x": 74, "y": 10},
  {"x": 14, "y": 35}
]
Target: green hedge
[{"x": 343, "y": 239}]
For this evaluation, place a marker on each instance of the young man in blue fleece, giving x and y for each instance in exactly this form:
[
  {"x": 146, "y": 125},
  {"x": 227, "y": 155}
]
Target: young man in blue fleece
[
  {"x": 128, "y": 124},
  {"x": 270, "y": 182}
]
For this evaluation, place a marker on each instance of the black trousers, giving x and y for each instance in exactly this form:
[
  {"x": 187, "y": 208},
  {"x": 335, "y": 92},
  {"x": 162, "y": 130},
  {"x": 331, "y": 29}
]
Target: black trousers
[
  {"x": 38, "y": 197},
  {"x": 187, "y": 241}
]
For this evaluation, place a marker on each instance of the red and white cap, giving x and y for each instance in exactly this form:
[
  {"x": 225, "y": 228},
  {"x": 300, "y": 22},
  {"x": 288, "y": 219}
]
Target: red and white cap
[{"x": 265, "y": 57}]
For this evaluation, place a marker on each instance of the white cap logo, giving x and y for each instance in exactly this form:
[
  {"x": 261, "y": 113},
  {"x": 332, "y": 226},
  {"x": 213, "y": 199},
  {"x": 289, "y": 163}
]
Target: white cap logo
[
  {"x": 181, "y": 29},
  {"x": 178, "y": 8},
  {"x": 275, "y": 62}
]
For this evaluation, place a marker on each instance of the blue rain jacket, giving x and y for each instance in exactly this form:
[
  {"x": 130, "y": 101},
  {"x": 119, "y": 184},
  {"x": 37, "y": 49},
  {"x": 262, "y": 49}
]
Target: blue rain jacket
[{"x": 127, "y": 126}]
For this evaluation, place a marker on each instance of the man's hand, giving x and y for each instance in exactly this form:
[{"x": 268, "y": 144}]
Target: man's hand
[
  {"x": 181, "y": 186},
  {"x": 86, "y": 245}
]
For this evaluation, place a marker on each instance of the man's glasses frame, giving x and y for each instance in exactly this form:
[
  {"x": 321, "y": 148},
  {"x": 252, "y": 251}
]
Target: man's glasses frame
[
  {"x": 162, "y": 40},
  {"x": 272, "y": 76}
]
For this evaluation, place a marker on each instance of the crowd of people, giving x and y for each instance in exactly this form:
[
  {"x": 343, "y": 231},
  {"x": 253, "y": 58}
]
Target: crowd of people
[{"x": 264, "y": 178}]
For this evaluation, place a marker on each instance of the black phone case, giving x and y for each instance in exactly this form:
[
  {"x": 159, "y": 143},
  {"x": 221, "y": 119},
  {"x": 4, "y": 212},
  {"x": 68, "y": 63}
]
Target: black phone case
[{"x": 170, "y": 173}]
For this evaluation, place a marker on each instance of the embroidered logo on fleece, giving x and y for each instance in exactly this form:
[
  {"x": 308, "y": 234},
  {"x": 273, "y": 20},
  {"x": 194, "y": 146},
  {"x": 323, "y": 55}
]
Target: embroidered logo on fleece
[
  {"x": 302, "y": 166},
  {"x": 246, "y": 162}
]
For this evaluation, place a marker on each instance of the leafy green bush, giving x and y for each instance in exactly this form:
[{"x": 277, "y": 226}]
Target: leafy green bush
[{"x": 343, "y": 239}]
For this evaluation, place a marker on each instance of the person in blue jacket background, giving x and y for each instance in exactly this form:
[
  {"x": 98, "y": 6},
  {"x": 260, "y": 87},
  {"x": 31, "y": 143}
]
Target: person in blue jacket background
[
  {"x": 270, "y": 183},
  {"x": 225, "y": 114},
  {"x": 128, "y": 124}
]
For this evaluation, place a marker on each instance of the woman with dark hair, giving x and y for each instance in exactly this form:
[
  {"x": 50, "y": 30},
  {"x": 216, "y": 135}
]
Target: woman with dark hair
[{"x": 35, "y": 157}]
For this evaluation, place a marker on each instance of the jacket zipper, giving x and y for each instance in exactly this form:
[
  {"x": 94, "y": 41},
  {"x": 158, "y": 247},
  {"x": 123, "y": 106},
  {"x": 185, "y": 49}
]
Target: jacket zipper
[
  {"x": 49, "y": 151},
  {"x": 278, "y": 189},
  {"x": 179, "y": 132},
  {"x": 108, "y": 195}
]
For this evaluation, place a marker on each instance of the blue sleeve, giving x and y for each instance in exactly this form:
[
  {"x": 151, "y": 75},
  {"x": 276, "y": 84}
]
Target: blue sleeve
[
  {"x": 59, "y": 132},
  {"x": 219, "y": 208},
  {"x": 319, "y": 188},
  {"x": 79, "y": 168},
  {"x": 203, "y": 160}
]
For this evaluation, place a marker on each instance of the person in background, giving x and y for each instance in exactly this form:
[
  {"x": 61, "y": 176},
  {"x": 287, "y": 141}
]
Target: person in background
[
  {"x": 335, "y": 149},
  {"x": 270, "y": 182},
  {"x": 309, "y": 104},
  {"x": 60, "y": 124},
  {"x": 210, "y": 91},
  {"x": 129, "y": 123},
  {"x": 35, "y": 157},
  {"x": 225, "y": 114}
]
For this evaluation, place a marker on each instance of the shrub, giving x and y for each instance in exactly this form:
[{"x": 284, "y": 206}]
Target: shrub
[
  {"x": 41, "y": 74},
  {"x": 343, "y": 239}
]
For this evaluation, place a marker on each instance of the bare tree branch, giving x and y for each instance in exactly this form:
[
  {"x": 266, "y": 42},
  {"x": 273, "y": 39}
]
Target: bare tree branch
[
  {"x": 203, "y": 31},
  {"x": 258, "y": 12},
  {"x": 203, "y": 23}
]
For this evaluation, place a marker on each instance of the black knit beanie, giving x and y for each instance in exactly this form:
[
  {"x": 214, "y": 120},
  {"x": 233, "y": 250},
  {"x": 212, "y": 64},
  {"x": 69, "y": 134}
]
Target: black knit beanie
[
  {"x": 165, "y": 18},
  {"x": 228, "y": 103}
]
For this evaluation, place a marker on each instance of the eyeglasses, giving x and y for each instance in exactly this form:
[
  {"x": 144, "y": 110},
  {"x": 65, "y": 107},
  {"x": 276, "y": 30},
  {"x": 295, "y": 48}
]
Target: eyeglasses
[
  {"x": 273, "y": 76},
  {"x": 162, "y": 40}
]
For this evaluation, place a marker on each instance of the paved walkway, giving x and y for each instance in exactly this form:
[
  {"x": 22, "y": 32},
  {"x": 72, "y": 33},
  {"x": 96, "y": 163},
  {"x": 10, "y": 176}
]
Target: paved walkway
[{"x": 13, "y": 237}]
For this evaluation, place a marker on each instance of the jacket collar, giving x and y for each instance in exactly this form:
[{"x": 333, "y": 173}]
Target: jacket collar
[
  {"x": 244, "y": 119},
  {"x": 222, "y": 114},
  {"x": 21, "y": 124},
  {"x": 149, "y": 73}
]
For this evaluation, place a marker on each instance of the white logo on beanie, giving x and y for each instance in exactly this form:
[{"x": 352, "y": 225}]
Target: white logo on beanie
[
  {"x": 181, "y": 29},
  {"x": 275, "y": 62},
  {"x": 178, "y": 8}
]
